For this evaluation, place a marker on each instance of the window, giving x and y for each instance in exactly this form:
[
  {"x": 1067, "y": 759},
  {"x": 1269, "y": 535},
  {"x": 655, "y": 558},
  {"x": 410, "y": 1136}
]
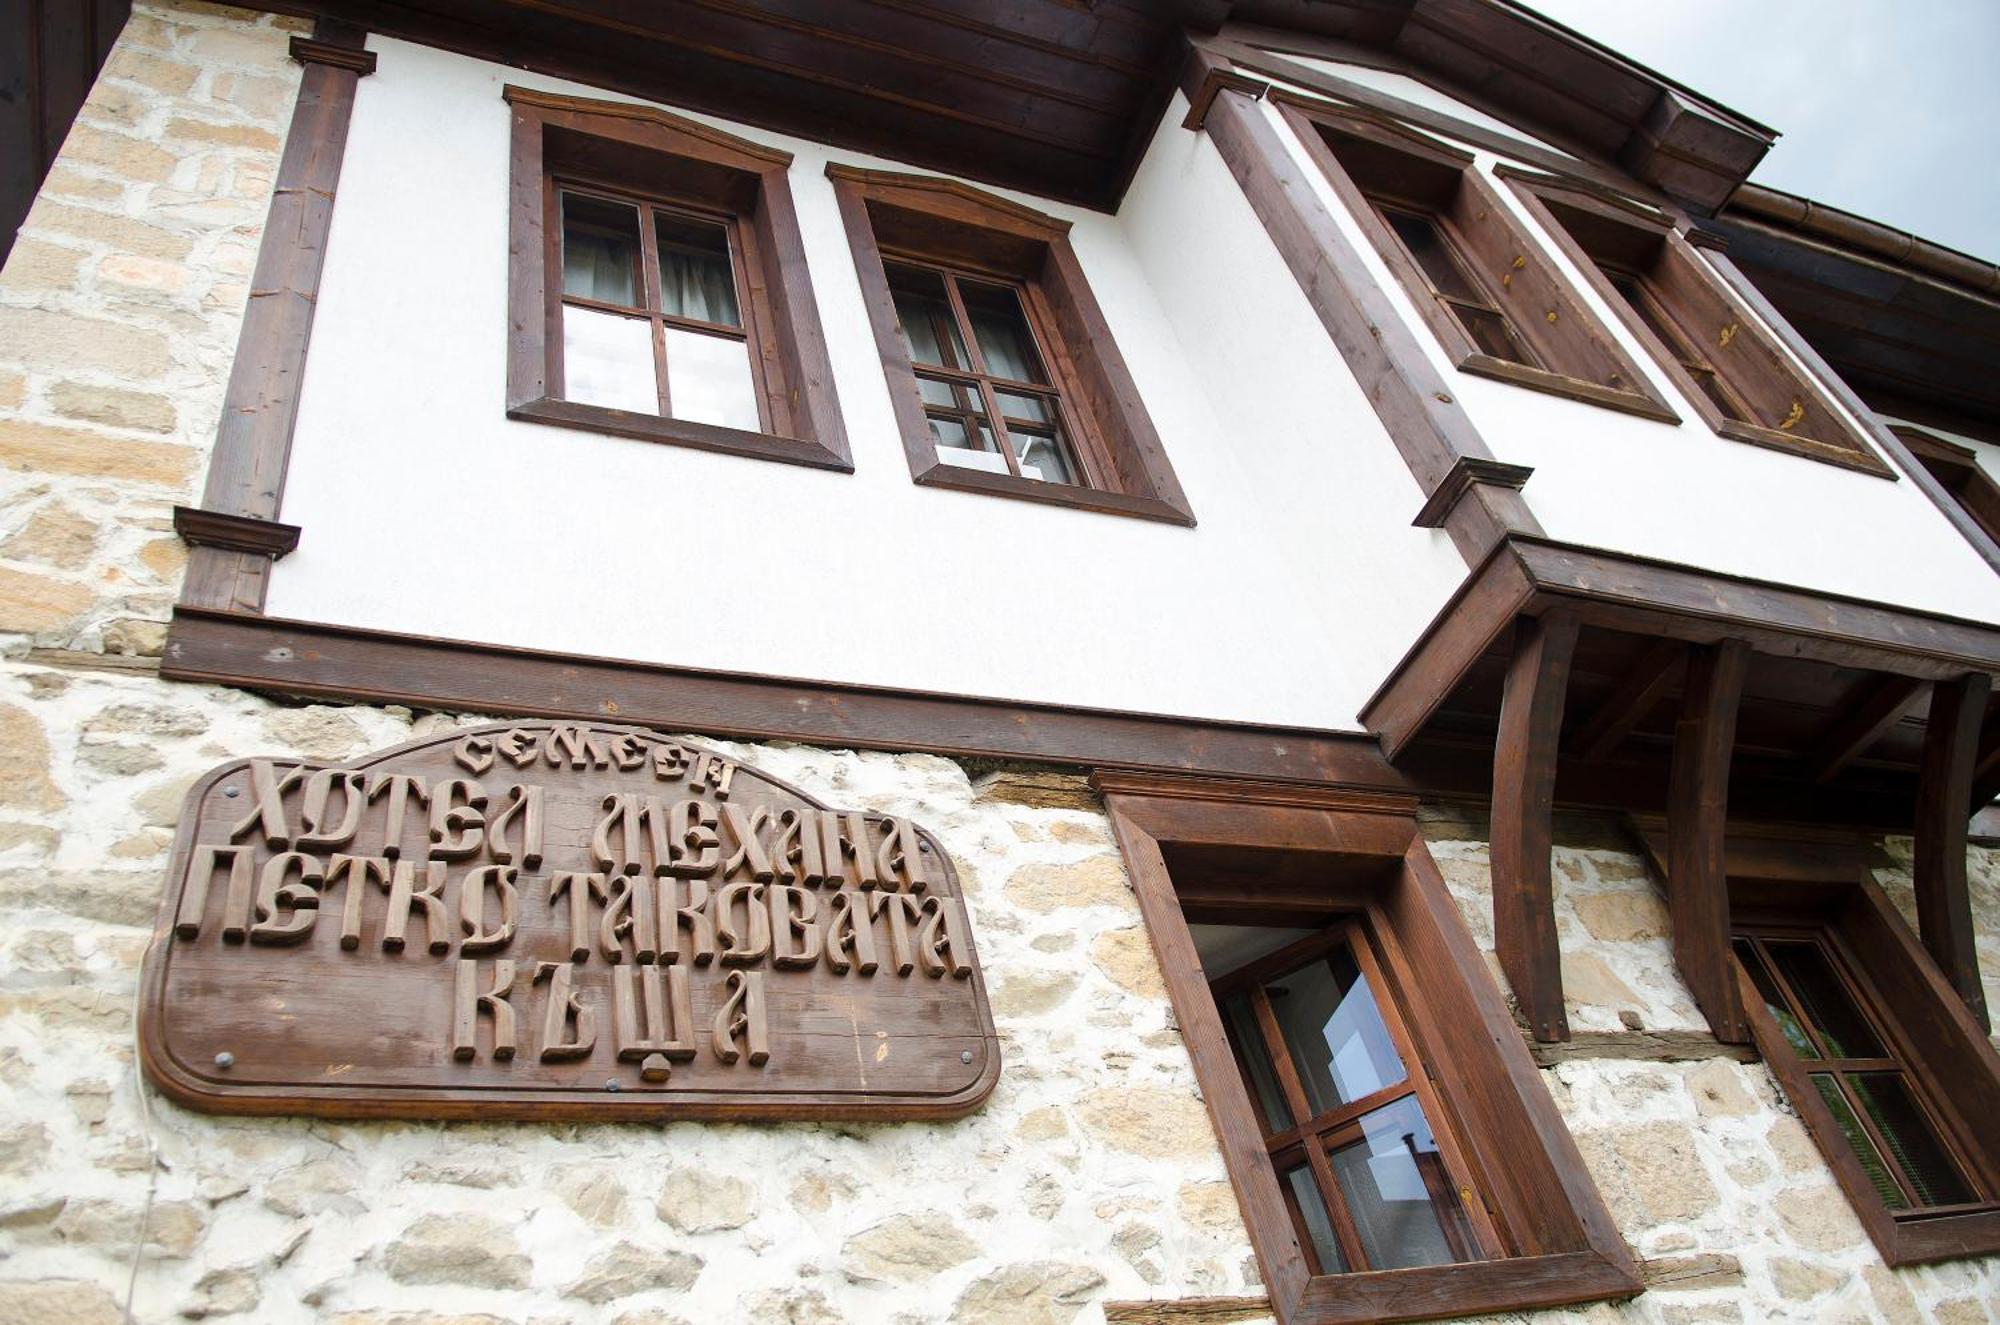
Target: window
[
  {"x": 1958, "y": 471},
  {"x": 1877, "y": 1102},
  {"x": 1887, "y": 1068},
  {"x": 659, "y": 286},
  {"x": 1728, "y": 366},
  {"x": 1327, "y": 1061},
  {"x": 1003, "y": 373},
  {"x": 1393, "y": 1149},
  {"x": 1494, "y": 302},
  {"x": 980, "y": 374}
]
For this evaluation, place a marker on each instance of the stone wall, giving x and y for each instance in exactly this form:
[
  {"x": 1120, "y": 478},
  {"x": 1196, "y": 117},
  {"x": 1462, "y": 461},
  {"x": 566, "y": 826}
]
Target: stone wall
[
  {"x": 1707, "y": 1170},
  {"x": 1091, "y": 1175}
]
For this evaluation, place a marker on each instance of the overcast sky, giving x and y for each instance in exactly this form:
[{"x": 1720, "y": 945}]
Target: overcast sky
[{"x": 1888, "y": 108}]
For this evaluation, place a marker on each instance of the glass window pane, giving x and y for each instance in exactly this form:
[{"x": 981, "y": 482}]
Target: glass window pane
[
  {"x": 1041, "y": 456},
  {"x": 696, "y": 278},
  {"x": 1908, "y": 1133},
  {"x": 951, "y": 395},
  {"x": 1857, "y": 1138},
  {"x": 1403, "y": 1203},
  {"x": 972, "y": 449},
  {"x": 1001, "y": 327},
  {"x": 1315, "y": 1225},
  {"x": 1427, "y": 244},
  {"x": 1015, "y": 405},
  {"x": 1492, "y": 334},
  {"x": 1781, "y": 1011},
  {"x": 1239, "y": 1018},
  {"x": 608, "y": 360},
  {"x": 709, "y": 380},
  {"x": 600, "y": 250},
  {"x": 1824, "y": 999},
  {"x": 923, "y": 312},
  {"x": 1338, "y": 1041}
]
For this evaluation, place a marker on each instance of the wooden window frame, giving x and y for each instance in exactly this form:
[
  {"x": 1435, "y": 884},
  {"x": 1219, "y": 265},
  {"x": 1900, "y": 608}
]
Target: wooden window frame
[
  {"x": 1300, "y": 855},
  {"x": 1531, "y": 296},
  {"x": 930, "y": 221},
  {"x": 1934, "y": 1038},
  {"x": 638, "y": 153},
  {"x": 1958, "y": 470},
  {"x": 1841, "y": 444}
]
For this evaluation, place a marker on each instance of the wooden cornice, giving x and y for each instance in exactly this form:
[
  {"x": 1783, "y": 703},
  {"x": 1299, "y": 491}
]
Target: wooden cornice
[
  {"x": 308, "y": 51},
  {"x": 234, "y": 533},
  {"x": 1246, "y": 791},
  {"x": 888, "y": 186},
  {"x": 1467, "y": 472},
  {"x": 753, "y": 156}
]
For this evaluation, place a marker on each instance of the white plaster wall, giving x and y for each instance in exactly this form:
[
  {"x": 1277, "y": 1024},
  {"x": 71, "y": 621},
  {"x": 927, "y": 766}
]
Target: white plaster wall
[
  {"x": 1682, "y": 493},
  {"x": 425, "y": 510}
]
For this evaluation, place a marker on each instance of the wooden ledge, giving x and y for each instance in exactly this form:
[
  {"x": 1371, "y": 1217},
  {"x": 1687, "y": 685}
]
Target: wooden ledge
[
  {"x": 1466, "y": 472},
  {"x": 1637, "y": 1047},
  {"x": 1188, "y": 1311},
  {"x": 1528, "y": 576},
  {"x": 235, "y": 533},
  {"x": 307, "y": 51}
]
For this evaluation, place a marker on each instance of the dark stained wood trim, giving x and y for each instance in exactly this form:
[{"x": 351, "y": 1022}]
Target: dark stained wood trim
[
  {"x": 1697, "y": 814},
  {"x": 308, "y": 51},
  {"x": 1423, "y": 418},
  {"x": 1878, "y": 432},
  {"x": 1138, "y": 479},
  {"x": 1465, "y": 473},
  {"x": 1635, "y": 697},
  {"x": 803, "y": 407},
  {"x": 234, "y": 533},
  {"x": 1210, "y": 77},
  {"x": 1639, "y": 1047},
  {"x": 1864, "y": 722},
  {"x": 303, "y": 658},
  {"x": 1944, "y": 805},
  {"x": 253, "y": 442},
  {"x": 1188, "y": 1310},
  {"x": 1529, "y": 576},
  {"x": 1535, "y": 191},
  {"x": 1521, "y": 1157},
  {"x": 1524, "y": 778}
]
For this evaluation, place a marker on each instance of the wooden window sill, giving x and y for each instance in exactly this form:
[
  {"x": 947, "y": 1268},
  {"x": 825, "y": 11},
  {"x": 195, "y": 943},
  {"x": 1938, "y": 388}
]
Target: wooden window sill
[
  {"x": 1474, "y": 1288},
  {"x": 1847, "y": 457},
  {"x": 679, "y": 432},
  {"x": 1573, "y": 388},
  {"x": 961, "y": 479}
]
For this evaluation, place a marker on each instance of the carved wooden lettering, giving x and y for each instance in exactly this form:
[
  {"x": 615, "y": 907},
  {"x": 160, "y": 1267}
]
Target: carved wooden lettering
[{"x": 615, "y": 925}]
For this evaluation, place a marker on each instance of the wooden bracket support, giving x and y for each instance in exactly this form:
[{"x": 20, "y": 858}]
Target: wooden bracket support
[
  {"x": 1697, "y": 815},
  {"x": 1944, "y": 792},
  {"x": 1466, "y": 473},
  {"x": 1524, "y": 779},
  {"x": 235, "y": 533}
]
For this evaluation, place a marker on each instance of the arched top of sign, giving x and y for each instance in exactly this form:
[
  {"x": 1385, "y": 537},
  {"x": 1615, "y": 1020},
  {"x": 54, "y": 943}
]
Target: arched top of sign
[{"x": 552, "y": 919}]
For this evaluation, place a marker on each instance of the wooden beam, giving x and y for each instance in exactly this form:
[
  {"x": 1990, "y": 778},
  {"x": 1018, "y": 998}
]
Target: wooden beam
[
  {"x": 1944, "y": 794},
  {"x": 1697, "y": 815},
  {"x": 1637, "y": 695},
  {"x": 253, "y": 442},
  {"x": 1864, "y": 723},
  {"x": 1524, "y": 779}
]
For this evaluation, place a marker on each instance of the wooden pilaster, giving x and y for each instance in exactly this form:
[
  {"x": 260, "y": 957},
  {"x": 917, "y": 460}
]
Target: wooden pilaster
[
  {"x": 1697, "y": 813},
  {"x": 1524, "y": 778},
  {"x": 1944, "y": 794}
]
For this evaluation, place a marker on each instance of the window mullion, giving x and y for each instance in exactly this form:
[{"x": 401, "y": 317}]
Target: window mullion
[
  {"x": 1792, "y": 1000},
  {"x": 1876, "y": 1138},
  {"x": 1000, "y": 436},
  {"x": 1280, "y": 1055},
  {"x": 649, "y": 284}
]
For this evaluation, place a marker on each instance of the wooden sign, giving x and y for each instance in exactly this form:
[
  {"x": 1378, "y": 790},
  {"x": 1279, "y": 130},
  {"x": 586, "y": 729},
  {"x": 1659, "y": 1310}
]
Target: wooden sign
[{"x": 557, "y": 920}]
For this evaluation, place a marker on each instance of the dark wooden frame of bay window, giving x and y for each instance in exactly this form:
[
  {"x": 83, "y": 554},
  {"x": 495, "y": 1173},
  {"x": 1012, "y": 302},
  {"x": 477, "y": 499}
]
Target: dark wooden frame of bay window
[
  {"x": 1682, "y": 287},
  {"x": 1958, "y": 471},
  {"x": 1415, "y": 173},
  {"x": 930, "y": 221},
  {"x": 1818, "y": 883},
  {"x": 1297, "y": 855},
  {"x": 671, "y": 161}
]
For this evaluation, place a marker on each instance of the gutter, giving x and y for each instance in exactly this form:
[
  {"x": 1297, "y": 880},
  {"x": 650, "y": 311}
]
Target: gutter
[{"x": 1858, "y": 234}]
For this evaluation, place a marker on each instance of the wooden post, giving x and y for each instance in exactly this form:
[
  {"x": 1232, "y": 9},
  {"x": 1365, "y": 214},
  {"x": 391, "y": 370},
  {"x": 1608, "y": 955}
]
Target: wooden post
[
  {"x": 1944, "y": 793},
  {"x": 1697, "y": 815},
  {"x": 1524, "y": 779}
]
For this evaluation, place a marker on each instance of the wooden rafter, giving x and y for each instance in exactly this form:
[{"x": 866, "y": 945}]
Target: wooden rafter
[
  {"x": 1637, "y": 695},
  {"x": 1862, "y": 725}
]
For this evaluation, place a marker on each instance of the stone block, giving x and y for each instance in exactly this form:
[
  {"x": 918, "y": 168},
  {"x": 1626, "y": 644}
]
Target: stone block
[
  {"x": 47, "y": 1301},
  {"x": 469, "y": 1250},
  {"x": 1032, "y": 993},
  {"x": 156, "y": 72},
  {"x": 56, "y": 535},
  {"x": 184, "y": 130},
  {"x": 1093, "y": 881},
  {"x": 626, "y": 1268},
  {"x": 44, "y": 449},
  {"x": 121, "y": 154},
  {"x": 1030, "y": 1293},
  {"x": 1126, "y": 958},
  {"x": 1152, "y": 1121},
  {"x": 115, "y": 233},
  {"x": 695, "y": 1201},
  {"x": 907, "y": 1248},
  {"x": 25, "y": 783},
  {"x": 1623, "y": 915},
  {"x": 32, "y": 603},
  {"x": 35, "y": 265}
]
